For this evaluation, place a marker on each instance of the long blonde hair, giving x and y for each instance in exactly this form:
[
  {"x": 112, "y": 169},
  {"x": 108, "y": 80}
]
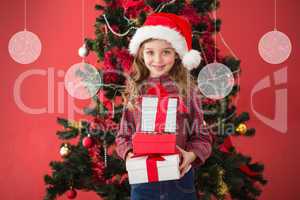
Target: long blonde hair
[{"x": 178, "y": 73}]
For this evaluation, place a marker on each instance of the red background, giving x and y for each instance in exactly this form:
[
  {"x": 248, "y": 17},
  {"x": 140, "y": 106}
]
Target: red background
[{"x": 28, "y": 142}]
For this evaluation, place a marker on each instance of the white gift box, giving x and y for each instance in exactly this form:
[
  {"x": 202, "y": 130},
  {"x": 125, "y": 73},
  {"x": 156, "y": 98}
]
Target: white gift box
[
  {"x": 167, "y": 169},
  {"x": 149, "y": 112}
]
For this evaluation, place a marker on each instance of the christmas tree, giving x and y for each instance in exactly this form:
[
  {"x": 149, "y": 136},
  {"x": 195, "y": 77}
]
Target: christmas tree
[{"x": 91, "y": 164}]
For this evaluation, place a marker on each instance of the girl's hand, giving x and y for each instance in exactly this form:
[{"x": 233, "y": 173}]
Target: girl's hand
[{"x": 187, "y": 158}]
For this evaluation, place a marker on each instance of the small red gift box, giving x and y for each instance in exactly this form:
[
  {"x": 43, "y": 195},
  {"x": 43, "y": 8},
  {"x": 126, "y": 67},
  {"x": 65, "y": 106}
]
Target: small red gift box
[{"x": 145, "y": 143}]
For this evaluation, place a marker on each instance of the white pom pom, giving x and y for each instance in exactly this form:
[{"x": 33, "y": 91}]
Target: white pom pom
[
  {"x": 191, "y": 59},
  {"x": 83, "y": 51}
]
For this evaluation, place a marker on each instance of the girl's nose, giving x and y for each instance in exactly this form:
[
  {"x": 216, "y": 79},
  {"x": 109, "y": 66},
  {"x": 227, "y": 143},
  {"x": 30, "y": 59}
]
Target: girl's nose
[{"x": 157, "y": 58}]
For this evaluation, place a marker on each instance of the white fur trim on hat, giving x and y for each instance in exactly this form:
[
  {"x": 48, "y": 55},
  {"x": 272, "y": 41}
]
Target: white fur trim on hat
[
  {"x": 190, "y": 59},
  {"x": 158, "y": 32}
]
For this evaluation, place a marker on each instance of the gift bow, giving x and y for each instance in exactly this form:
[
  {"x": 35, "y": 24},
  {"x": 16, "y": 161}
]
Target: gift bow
[
  {"x": 163, "y": 95},
  {"x": 151, "y": 164}
]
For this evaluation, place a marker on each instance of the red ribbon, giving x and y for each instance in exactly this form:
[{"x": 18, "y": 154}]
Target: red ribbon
[
  {"x": 152, "y": 170},
  {"x": 162, "y": 105},
  {"x": 151, "y": 164}
]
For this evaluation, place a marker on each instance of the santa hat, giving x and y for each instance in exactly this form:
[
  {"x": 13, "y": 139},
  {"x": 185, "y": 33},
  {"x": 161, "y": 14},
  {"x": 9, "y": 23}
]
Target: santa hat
[{"x": 172, "y": 28}]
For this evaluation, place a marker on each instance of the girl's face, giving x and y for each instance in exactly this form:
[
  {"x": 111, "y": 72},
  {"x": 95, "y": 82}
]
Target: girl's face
[{"x": 159, "y": 57}]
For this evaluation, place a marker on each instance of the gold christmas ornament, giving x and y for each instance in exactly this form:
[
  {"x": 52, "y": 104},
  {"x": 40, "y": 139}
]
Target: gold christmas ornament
[
  {"x": 74, "y": 124},
  {"x": 64, "y": 150},
  {"x": 136, "y": 22},
  {"x": 222, "y": 188},
  {"x": 221, "y": 173},
  {"x": 241, "y": 128}
]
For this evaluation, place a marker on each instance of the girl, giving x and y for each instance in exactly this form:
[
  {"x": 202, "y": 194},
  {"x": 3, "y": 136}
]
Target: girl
[{"x": 163, "y": 55}]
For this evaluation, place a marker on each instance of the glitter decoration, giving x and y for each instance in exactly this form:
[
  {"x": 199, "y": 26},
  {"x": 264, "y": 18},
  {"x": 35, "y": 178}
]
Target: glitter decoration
[
  {"x": 82, "y": 81},
  {"x": 24, "y": 47},
  {"x": 215, "y": 80},
  {"x": 275, "y": 47}
]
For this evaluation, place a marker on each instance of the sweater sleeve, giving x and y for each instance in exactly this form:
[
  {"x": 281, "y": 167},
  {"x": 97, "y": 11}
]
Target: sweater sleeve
[
  {"x": 124, "y": 135},
  {"x": 199, "y": 140}
]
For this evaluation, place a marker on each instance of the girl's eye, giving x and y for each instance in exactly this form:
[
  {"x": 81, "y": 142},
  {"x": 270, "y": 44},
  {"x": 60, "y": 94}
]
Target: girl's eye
[
  {"x": 149, "y": 52},
  {"x": 166, "y": 52}
]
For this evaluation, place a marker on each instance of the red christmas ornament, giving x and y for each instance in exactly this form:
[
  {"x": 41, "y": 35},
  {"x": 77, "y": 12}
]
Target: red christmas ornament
[
  {"x": 124, "y": 59},
  {"x": 124, "y": 177},
  {"x": 133, "y": 8},
  {"x": 132, "y": 3},
  {"x": 118, "y": 100},
  {"x": 71, "y": 194},
  {"x": 226, "y": 145},
  {"x": 110, "y": 77},
  {"x": 116, "y": 179},
  {"x": 87, "y": 142},
  {"x": 191, "y": 14},
  {"x": 111, "y": 149},
  {"x": 246, "y": 170}
]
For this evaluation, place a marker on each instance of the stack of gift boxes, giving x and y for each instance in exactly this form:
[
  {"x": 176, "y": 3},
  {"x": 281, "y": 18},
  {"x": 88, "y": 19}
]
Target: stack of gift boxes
[{"x": 155, "y": 155}]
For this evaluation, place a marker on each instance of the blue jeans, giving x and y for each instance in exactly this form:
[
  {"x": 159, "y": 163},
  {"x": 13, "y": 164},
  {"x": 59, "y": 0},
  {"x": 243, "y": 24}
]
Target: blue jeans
[{"x": 182, "y": 189}]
